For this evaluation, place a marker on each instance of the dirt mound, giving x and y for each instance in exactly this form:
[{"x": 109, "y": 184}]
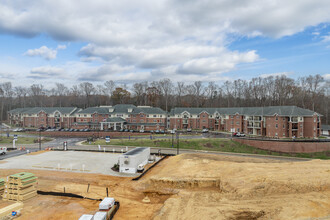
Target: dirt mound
[{"x": 223, "y": 187}]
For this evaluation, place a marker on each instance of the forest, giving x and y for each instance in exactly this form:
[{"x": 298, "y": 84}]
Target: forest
[{"x": 311, "y": 92}]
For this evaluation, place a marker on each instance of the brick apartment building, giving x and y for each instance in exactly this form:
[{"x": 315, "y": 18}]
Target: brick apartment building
[
  {"x": 122, "y": 116},
  {"x": 274, "y": 121},
  {"x": 104, "y": 117},
  {"x": 43, "y": 117}
]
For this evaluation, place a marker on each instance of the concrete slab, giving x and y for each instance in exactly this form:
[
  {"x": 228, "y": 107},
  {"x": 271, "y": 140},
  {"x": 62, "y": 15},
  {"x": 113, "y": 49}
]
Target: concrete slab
[{"x": 70, "y": 161}]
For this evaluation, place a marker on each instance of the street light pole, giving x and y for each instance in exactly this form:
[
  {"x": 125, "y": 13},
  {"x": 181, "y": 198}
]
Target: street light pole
[
  {"x": 40, "y": 139},
  {"x": 178, "y": 138},
  {"x": 172, "y": 140}
]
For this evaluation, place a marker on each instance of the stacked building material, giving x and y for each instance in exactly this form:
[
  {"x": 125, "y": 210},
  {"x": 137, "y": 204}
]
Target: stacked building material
[
  {"x": 2, "y": 186},
  {"x": 20, "y": 187}
]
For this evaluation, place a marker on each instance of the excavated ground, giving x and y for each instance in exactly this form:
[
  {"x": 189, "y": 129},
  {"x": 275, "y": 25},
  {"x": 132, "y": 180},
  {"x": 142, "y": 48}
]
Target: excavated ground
[
  {"x": 192, "y": 186},
  {"x": 218, "y": 187}
]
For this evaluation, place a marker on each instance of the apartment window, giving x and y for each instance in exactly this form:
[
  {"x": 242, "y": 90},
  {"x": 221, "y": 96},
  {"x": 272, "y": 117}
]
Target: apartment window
[
  {"x": 276, "y": 126},
  {"x": 142, "y": 116},
  {"x": 147, "y": 116},
  {"x": 231, "y": 116},
  {"x": 178, "y": 120},
  {"x": 95, "y": 120},
  {"x": 237, "y": 116},
  {"x": 85, "y": 119},
  {"x": 141, "y": 120},
  {"x": 204, "y": 121},
  {"x": 314, "y": 119},
  {"x": 161, "y": 116},
  {"x": 276, "y": 118},
  {"x": 283, "y": 134},
  {"x": 203, "y": 116},
  {"x": 155, "y": 120},
  {"x": 155, "y": 116},
  {"x": 301, "y": 125},
  {"x": 134, "y": 120},
  {"x": 232, "y": 122},
  {"x": 237, "y": 123},
  {"x": 85, "y": 115},
  {"x": 283, "y": 126},
  {"x": 276, "y": 134},
  {"x": 301, "y": 134}
]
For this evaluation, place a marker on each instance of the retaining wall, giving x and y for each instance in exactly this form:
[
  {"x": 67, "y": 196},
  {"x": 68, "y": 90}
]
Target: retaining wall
[
  {"x": 287, "y": 147},
  {"x": 86, "y": 134}
]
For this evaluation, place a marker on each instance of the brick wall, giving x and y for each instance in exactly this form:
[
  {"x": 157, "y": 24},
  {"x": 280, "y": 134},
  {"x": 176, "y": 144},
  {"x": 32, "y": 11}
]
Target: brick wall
[{"x": 287, "y": 147}]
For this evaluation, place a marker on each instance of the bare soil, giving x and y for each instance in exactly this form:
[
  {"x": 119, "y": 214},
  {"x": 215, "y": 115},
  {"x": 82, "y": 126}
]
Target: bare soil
[
  {"x": 192, "y": 186},
  {"x": 217, "y": 187}
]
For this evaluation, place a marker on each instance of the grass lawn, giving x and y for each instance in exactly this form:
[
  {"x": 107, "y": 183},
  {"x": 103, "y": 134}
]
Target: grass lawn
[
  {"x": 208, "y": 144},
  {"x": 23, "y": 140}
]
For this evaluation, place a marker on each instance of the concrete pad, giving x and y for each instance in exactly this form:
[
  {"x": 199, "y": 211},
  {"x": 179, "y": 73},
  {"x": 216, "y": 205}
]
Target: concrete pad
[{"x": 70, "y": 161}]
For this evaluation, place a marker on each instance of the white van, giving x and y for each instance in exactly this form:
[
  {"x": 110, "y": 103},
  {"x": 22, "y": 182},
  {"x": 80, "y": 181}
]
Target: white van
[{"x": 3, "y": 150}]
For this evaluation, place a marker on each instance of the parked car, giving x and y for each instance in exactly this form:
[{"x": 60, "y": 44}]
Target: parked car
[
  {"x": 67, "y": 129},
  {"x": 162, "y": 132},
  {"x": 3, "y": 150},
  {"x": 238, "y": 134},
  {"x": 141, "y": 131},
  {"x": 86, "y": 129},
  {"x": 205, "y": 130},
  {"x": 188, "y": 129},
  {"x": 157, "y": 131},
  {"x": 126, "y": 130}
]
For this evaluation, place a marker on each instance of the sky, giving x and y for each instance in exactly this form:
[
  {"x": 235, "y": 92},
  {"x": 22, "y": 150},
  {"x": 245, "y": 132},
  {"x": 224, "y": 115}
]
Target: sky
[{"x": 66, "y": 41}]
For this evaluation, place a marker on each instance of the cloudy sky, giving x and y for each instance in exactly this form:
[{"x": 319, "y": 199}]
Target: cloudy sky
[{"x": 65, "y": 41}]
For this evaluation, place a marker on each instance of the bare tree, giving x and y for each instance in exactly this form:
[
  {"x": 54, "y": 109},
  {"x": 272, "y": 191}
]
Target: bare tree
[
  {"x": 87, "y": 89},
  {"x": 166, "y": 87}
]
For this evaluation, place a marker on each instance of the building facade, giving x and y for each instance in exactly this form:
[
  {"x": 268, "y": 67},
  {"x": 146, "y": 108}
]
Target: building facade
[
  {"x": 273, "y": 121},
  {"x": 43, "y": 117}
]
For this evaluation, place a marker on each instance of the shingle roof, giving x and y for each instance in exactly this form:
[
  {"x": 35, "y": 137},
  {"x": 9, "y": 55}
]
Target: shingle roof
[
  {"x": 48, "y": 110},
  {"x": 115, "y": 119},
  {"x": 258, "y": 111},
  {"x": 325, "y": 127},
  {"x": 123, "y": 109}
]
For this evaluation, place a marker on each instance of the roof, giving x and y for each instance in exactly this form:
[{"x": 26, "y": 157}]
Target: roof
[
  {"x": 122, "y": 109},
  {"x": 257, "y": 111},
  {"x": 115, "y": 119},
  {"x": 325, "y": 127},
  {"x": 136, "y": 151},
  {"x": 48, "y": 110}
]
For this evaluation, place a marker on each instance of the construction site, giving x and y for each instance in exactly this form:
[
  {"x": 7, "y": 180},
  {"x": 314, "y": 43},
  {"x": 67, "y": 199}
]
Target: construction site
[{"x": 70, "y": 184}]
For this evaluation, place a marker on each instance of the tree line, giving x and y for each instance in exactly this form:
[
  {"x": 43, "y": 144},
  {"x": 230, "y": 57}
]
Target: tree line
[{"x": 311, "y": 92}]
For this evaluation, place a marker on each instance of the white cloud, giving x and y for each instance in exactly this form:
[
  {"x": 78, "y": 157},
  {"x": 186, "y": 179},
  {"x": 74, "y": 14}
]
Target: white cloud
[
  {"x": 265, "y": 75},
  {"x": 61, "y": 47},
  {"x": 326, "y": 38},
  {"x": 43, "y": 51},
  {"x": 186, "y": 37},
  {"x": 46, "y": 72}
]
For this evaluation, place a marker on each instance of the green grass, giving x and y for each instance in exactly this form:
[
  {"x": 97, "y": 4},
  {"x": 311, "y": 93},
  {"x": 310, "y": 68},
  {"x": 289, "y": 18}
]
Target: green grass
[
  {"x": 22, "y": 140},
  {"x": 207, "y": 144}
]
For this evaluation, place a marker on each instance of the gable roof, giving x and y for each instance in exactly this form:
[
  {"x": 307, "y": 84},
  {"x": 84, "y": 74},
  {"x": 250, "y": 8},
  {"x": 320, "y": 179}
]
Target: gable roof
[
  {"x": 48, "y": 110},
  {"x": 257, "y": 111}
]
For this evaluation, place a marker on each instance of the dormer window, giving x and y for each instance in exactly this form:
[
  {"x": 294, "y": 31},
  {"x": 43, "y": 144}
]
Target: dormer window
[
  {"x": 111, "y": 109},
  {"x": 130, "y": 109}
]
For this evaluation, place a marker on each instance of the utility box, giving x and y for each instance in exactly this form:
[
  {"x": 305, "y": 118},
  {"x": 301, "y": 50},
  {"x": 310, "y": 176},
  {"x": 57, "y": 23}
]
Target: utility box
[
  {"x": 130, "y": 161},
  {"x": 100, "y": 216},
  {"x": 86, "y": 217},
  {"x": 106, "y": 203}
]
